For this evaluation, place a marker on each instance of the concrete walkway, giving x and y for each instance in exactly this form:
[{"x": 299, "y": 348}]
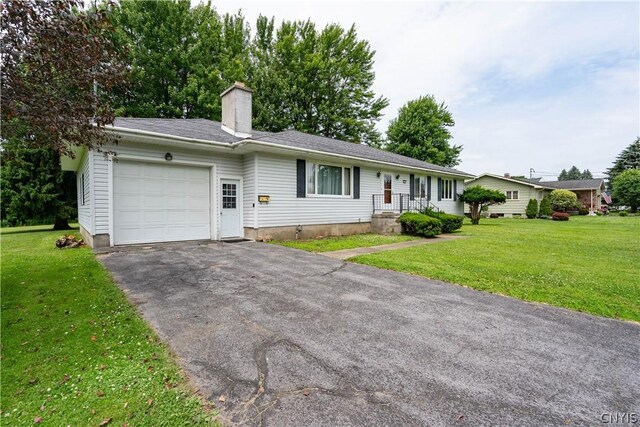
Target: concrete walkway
[{"x": 349, "y": 253}]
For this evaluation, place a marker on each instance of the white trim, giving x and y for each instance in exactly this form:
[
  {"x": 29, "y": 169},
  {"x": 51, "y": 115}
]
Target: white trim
[
  {"x": 239, "y": 201},
  {"x": 92, "y": 192},
  {"x": 530, "y": 184},
  {"x": 163, "y": 136},
  {"x": 213, "y": 223},
  {"x": 234, "y": 133},
  {"x": 111, "y": 205},
  {"x": 256, "y": 204}
]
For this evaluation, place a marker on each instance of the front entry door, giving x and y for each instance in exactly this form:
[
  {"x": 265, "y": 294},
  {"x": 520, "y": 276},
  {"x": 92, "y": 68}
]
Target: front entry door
[
  {"x": 230, "y": 225},
  {"x": 387, "y": 192}
]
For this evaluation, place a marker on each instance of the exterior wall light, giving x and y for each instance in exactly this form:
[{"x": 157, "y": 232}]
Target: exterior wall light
[
  {"x": 398, "y": 176},
  {"x": 378, "y": 174},
  {"x": 168, "y": 157}
]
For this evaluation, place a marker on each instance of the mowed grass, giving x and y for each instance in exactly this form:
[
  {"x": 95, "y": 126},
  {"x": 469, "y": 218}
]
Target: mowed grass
[
  {"x": 74, "y": 351},
  {"x": 328, "y": 244},
  {"x": 589, "y": 264}
]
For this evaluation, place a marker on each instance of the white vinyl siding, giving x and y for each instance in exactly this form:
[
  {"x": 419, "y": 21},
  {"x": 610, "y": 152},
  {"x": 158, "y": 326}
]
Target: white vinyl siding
[
  {"x": 249, "y": 195},
  {"x": 84, "y": 190},
  {"x": 226, "y": 165},
  {"x": 277, "y": 179}
]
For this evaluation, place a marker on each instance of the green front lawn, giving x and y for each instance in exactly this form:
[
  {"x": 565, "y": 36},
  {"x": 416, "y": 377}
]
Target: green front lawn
[
  {"x": 74, "y": 351},
  {"x": 588, "y": 264},
  {"x": 328, "y": 244}
]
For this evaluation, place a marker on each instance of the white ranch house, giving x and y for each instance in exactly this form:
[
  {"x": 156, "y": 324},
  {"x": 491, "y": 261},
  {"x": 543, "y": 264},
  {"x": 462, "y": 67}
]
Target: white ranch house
[{"x": 178, "y": 179}]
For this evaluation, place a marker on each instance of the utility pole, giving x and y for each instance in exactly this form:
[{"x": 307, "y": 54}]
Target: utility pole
[{"x": 531, "y": 171}]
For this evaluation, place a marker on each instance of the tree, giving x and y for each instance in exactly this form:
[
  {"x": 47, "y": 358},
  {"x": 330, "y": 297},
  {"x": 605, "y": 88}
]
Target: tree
[
  {"x": 421, "y": 131},
  {"x": 54, "y": 57},
  {"x": 586, "y": 174},
  {"x": 629, "y": 158},
  {"x": 478, "y": 197},
  {"x": 315, "y": 81},
  {"x": 34, "y": 189},
  {"x": 626, "y": 188},
  {"x": 532, "y": 209},
  {"x": 59, "y": 65},
  {"x": 545, "y": 210},
  {"x": 574, "y": 174},
  {"x": 180, "y": 58},
  {"x": 563, "y": 200}
]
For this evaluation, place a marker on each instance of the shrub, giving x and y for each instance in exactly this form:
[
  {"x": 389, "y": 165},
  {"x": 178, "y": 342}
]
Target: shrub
[
  {"x": 532, "y": 209},
  {"x": 545, "y": 207},
  {"x": 418, "y": 224},
  {"x": 598, "y": 213},
  {"x": 450, "y": 223},
  {"x": 560, "y": 216},
  {"x": 564, "y": 200},
  {"x": 583, "y": 211},
  {"x": 623, "y": 213}
]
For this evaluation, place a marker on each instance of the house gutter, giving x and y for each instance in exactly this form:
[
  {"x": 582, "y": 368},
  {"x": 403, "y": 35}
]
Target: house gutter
[{"x": 244, "y": 142}]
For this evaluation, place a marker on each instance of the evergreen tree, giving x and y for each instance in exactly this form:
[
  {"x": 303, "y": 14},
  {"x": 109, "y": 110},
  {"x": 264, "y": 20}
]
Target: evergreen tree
[
  {"x": 629, "y": 158},
  {"x": 586, "y": 174},
  {"x": 563, "y": 175},
  {"x": 545, "y": 210}
]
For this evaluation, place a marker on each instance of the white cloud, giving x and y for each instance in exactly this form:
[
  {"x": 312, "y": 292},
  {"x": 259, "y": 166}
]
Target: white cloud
[{"x": 541, "y": 85}]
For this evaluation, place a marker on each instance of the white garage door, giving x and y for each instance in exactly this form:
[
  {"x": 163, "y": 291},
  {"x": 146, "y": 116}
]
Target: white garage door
[{"x": 160, "y": 203}]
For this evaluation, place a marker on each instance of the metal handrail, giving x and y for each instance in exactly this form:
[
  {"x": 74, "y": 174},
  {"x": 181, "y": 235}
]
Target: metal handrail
[{"x": 401, "y": 202}]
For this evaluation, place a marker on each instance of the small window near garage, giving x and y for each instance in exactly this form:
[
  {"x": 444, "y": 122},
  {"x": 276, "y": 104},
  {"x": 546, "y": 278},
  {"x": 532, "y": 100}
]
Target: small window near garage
[
  {"x": 82, "y": 196},
  {"x": 328, "y": 180},
  {"x": 512, "y": 195},
  {"x": 446, "y": 192}
]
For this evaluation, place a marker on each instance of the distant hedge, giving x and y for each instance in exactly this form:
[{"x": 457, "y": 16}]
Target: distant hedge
[
  {"x": 418, "y": 224},
  {"x": 560, "y": 216},
  {"x": 450, "y": 223}
]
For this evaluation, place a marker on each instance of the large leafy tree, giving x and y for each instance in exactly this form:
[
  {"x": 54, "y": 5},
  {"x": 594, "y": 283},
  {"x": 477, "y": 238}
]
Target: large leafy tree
[
  {"x": 58, "y": 67},
  {"x": 478, "y": 197},
  {"x": 629, "y": 158},
  {"x": 626, "y": 188},
  {"x": 422, "y": 131},
  {"x": 315, "y": 81},
  {"x": 180, "y": 58}
]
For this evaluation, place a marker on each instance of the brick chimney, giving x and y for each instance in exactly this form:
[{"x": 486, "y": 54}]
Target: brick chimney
[
  {"x": 236, "y": 110},
  {"x": 507, "y": 175}
]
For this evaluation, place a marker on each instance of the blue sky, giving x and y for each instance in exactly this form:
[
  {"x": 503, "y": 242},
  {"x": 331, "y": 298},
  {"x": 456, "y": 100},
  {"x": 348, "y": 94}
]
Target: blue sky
[{"x": 540, "y": 85}]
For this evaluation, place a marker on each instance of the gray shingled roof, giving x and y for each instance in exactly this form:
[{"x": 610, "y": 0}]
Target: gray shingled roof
[
  {"x": 209, "y": 130},
  {"x": 293, "y": 138},
  {"x": 203, "y": 129},
  {"x": 577, "y": 184}
]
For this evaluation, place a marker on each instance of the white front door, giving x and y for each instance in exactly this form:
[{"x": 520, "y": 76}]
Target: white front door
[
  {"x": 230, "y": 224},
  {"x": 387, "y": 191}
]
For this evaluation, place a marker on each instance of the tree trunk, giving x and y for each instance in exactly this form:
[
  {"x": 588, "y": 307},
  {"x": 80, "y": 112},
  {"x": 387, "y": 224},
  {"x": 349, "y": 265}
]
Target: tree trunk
[
  {"x": 475, "y": 213},
  {"x": 61, "y": 224}
]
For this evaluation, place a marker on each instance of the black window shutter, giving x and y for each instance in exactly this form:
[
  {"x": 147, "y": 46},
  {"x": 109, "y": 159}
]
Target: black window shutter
[
  {"x": 356, "y": 182},
  {"x": 439, "y": 188},
  {"x": 455, "y": 189},
  {"x": 301, "y": 180},
  {"x": 429, "y": 188},
  {"x": 412, "y": 187}
]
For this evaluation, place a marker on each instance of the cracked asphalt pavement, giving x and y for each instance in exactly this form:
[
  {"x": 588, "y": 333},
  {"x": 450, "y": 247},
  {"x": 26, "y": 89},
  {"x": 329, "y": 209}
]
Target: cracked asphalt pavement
[{"x": 292, "y": 338}]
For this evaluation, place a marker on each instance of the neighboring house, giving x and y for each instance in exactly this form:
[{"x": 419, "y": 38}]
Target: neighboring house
[
  {"x": 590, "y": 191},
  {"x": 177, "y": 179},
  {"x": 519, "y": 191}
]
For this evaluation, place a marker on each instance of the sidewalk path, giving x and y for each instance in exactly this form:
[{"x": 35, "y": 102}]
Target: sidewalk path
[{"x": 349, "y": 253}]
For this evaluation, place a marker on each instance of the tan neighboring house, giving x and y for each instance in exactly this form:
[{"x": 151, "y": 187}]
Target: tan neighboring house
[{"x": 519, "y": 191}]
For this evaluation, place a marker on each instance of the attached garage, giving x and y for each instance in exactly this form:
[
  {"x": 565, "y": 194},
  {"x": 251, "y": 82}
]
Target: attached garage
[{"x": 160, "y": 202}]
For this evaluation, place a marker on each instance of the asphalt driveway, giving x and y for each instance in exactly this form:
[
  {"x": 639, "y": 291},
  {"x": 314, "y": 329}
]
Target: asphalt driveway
[{"x": 291, "y": 338}]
